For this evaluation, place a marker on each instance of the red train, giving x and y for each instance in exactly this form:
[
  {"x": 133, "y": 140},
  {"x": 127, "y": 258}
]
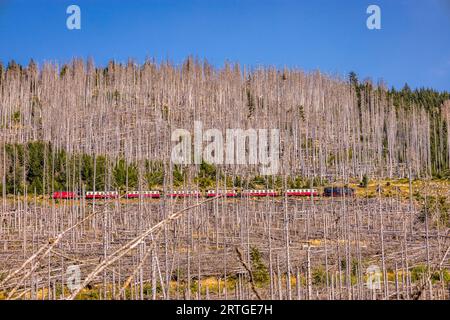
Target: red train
[{"x": 90, "y": 195}]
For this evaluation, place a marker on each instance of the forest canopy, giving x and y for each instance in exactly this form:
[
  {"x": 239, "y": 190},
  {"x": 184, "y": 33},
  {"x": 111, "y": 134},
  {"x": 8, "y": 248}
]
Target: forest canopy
[{"x": 61, "y": 125}]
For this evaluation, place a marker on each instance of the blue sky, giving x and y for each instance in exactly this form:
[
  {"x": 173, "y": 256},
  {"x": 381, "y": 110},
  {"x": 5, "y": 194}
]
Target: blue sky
[{"x": 330, "y": 35}]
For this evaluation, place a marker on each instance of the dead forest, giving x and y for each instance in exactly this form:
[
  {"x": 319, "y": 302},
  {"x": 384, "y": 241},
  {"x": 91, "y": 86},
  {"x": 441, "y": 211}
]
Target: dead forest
[{"x": 332, "y": 131}]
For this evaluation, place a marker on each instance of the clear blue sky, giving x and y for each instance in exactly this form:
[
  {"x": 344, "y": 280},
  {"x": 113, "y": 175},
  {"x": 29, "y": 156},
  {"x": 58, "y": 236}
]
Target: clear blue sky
[{"x": 331, "y": 35}]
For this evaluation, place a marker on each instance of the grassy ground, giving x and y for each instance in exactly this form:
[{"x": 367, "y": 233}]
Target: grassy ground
[{"x": 400, "y": 187}]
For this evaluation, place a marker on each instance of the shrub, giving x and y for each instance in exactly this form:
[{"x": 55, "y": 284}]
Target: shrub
[
  {"x": 319, "y": 276},
  {"x": 260, "y": 273},
  {"x": 364, "y": 182},
  {"x": 436, "y": 208}
]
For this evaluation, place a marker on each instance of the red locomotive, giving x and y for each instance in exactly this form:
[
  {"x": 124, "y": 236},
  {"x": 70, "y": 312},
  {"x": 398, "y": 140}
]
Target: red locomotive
[{"x": 64, "y": 195}]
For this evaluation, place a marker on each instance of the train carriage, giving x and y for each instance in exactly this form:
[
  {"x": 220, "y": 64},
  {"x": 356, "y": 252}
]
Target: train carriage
[
  {"x": 102, "y": 195},
  {"x": 184, "y": 194},
  {"x": 302, "y": 192},
  {"x": 143, "y": 194},
  {"x": 260, "y": 193},
  {"x": 222, "y": 193}
]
